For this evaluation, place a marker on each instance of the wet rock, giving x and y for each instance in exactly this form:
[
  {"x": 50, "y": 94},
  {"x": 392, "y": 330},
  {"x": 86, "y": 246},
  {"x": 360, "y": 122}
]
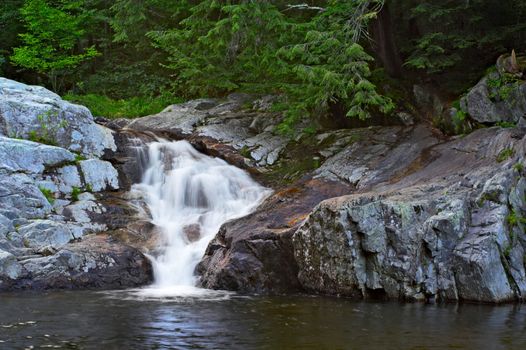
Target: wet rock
[
  {"x": 254, "y": 254},
  {"x": 25, "y": 109},
  {"x": 192, "y": 232}
]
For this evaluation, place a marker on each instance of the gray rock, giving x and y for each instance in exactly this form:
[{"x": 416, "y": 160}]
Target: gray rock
[
  {"x": 96, "y": 263},
  {"x": 486, "y": 104},
  {"x": 9, "y": 266},
  {"x": 67, "y": 178},
  {"x": 21, "y": 198},
  {"x": 423, "y": 235},
  {"x": 6, "y": 225},
  {"x": 99, "y": 175},
  {"x": 42, "y": 233},
  {"x": 209, "y": 123},
  {"x": 25, "y": 109},
  {"x": 30, "y": 157}
]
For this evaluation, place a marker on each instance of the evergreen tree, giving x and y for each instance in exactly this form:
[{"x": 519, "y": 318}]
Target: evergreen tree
[{"x": 51, "y": 41}]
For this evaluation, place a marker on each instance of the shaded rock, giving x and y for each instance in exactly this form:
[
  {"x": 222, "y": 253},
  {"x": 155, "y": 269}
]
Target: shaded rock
[
  {"x": 487, "y": 104},
  {"x": 254, "y": 253},
  {"x": 24, "y": 109},
  {"x": 96, "y": 262},
  {"x": 9, "y": 267}
]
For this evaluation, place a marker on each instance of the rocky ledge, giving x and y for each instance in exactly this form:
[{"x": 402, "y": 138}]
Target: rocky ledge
[{"x": 55, "y": 198}]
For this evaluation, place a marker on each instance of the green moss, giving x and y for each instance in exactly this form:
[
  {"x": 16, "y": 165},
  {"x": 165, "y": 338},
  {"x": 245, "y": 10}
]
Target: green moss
[
  {"x": 505, "y": 124},
  {"x": 48, "y": 194},
  {"x": 89, "y": 188},
  {"x": 79, "y": 157},
  {"x": 505, "y": 154},
  {"x": 519, "y": 167},
  {"x": 245, "y": 152},
  {"x": 514, "y": 219},
  {"x": 75, "y": 194}
]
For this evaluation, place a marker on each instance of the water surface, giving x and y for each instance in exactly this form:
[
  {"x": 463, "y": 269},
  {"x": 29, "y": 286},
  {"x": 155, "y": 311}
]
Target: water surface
[{"x": 134, "y": 320}]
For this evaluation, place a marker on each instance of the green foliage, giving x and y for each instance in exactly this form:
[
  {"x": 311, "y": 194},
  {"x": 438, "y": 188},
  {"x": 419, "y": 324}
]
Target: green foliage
[
  {"x": 49, "y": 124},
  {"x": 75, "y": 192},
  {"x": 245, "y": 152},
  {"x": 50, "y": 196},
  {"x": 123, "y": 108},
  {"x": 10, "y": 27},
  {"x": 519, "y": 167},
  {"x": 311, "y": 60},
  {"x": 505, "y": 154},
  {"x": 50, "y": 43},
  {"x": 455, "y": 34},
  {"x": 501, "y": 85}
]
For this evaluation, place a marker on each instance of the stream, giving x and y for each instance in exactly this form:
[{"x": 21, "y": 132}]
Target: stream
[{"x": 123, "y": 320}]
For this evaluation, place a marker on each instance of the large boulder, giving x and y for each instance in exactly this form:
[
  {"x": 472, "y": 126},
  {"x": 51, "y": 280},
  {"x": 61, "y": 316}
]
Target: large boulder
[
  {"x": 498, "y": 97},
  {"x": 37, "y": 113}
]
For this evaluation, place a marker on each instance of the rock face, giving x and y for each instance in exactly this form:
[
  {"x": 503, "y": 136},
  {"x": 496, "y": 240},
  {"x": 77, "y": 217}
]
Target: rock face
[
  {"x": 27, "y": 111},
  {"x": 48, "y": 215},
  {"x": 451, "y": 229}
]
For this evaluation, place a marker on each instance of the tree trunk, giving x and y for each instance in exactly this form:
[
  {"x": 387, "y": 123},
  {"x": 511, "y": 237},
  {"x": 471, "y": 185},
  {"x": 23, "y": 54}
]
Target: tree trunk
[{"x": 384, "y": 44}]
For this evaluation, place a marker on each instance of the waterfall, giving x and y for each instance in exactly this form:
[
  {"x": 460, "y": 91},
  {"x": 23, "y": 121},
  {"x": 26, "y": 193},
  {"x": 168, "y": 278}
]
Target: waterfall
[{"x": 189, "y": 196}]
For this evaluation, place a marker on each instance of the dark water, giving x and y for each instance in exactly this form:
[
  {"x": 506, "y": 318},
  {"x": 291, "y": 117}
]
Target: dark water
[{"x": 90, "y": 320}]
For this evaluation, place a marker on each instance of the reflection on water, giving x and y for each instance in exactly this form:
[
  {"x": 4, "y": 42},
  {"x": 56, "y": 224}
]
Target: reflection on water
[{"x": 131, "y": 320}]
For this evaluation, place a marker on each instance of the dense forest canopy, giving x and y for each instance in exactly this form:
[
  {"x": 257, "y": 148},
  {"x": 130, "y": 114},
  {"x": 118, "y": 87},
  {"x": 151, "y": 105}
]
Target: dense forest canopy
[{"x": 314, "y": 54}]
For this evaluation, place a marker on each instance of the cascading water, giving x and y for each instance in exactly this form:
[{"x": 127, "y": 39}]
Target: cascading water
[{"x": 190, "y": 195}]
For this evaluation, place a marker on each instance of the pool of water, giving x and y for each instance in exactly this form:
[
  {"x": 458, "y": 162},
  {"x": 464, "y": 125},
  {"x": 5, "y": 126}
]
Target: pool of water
[{"x": 137, "y": 320}]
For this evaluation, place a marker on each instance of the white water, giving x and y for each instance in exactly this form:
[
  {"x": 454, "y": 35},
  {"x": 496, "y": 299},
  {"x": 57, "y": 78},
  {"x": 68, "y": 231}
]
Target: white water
[{"x": 187, "y": 191}]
